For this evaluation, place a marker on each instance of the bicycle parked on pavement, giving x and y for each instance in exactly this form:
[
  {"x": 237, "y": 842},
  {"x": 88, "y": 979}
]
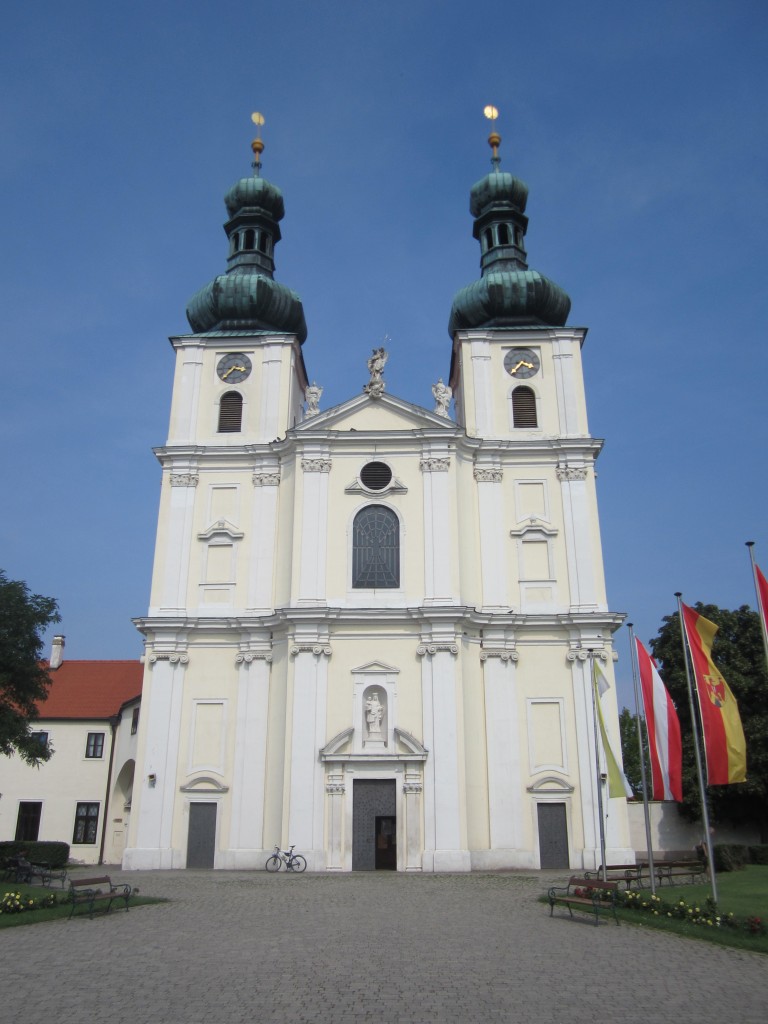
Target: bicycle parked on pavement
[{"x": 293, "y": 861}]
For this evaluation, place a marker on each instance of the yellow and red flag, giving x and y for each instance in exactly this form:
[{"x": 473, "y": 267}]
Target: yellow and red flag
[{"x": 724, "y": 743}]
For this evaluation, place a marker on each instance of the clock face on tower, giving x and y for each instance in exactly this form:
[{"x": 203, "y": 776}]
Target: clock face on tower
[
  {"x": 521, "y": 363},
  {"x": 234, "y": 367}
]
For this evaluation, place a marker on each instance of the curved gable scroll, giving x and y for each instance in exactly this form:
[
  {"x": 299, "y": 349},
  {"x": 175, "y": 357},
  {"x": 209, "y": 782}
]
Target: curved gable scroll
[
  {"x": 204, "y": 784},
  {"x": 550, "y": 784}
]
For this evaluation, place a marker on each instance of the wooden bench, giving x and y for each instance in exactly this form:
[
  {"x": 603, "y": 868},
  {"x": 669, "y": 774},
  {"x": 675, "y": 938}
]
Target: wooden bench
[
  {"x": 669, "y": 870},
  {"x": 626, "y": 873},
  {"x": 589, "y": 894},
  {"x": 91, "y": 891}
]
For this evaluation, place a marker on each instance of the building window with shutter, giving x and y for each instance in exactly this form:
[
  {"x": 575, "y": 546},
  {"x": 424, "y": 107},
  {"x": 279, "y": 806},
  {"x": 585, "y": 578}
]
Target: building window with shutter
[
  {"x": 230, "y": 412},
  {"x": 28, "y": 821},
  {"x": 375, "y": 549},
  {"x": 524, "y": 407}
]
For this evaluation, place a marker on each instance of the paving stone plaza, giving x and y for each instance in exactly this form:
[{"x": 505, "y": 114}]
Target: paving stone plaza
[{"x": 378, "y": 946}]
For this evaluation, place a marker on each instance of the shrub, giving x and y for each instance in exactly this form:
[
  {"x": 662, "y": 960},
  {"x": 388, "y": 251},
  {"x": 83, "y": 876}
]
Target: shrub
[
  {"x": 731, "y": 857},
  {"x": 52, "y": 854},
  {"x": 759, "y": 854}
]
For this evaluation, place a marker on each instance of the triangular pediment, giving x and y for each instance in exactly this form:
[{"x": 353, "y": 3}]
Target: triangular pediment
[
  {"x": 374, "y": 668},
  {"x": 364, "y": 414}
]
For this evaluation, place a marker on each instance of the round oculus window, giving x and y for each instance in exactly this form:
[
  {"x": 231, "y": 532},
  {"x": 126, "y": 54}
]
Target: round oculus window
[{"x": 375, "y": 476}]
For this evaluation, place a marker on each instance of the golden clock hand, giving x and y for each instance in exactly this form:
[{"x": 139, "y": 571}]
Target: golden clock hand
[{"x": 232, "y": 370}]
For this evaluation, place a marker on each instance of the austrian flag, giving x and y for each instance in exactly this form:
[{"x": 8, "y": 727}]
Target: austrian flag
[
  {"x": 663, "y": 726},
  {"x": 724, "y": 742}
]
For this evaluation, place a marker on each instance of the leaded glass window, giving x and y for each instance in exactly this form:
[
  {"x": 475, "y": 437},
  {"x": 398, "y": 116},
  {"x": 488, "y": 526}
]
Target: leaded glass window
[
  {"x": 375, "y": 548},
  {"x": 86, "y": 823}
]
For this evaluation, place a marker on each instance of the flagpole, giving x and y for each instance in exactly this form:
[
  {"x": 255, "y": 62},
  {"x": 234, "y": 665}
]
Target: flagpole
[
  {"x": 598, "y": 773},
  {"x": 644, "y": 781},
  {"x": 761, "y": 611},
  {"x": 697, "y": 751}
]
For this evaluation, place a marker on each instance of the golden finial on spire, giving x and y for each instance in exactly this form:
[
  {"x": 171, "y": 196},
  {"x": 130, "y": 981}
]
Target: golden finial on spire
[
  {"x": 257, "y": 145},
  {"x": 494, "y": 139}
]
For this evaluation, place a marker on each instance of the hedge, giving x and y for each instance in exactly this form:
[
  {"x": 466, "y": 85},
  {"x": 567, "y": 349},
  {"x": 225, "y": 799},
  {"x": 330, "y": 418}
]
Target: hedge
[{"x": 54, "y": 855}]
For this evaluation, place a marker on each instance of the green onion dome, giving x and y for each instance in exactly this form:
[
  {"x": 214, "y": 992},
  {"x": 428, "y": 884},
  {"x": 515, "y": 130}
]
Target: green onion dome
[
  {"x": 247, "y": 297},
  {"x": 508, "y": 293}
]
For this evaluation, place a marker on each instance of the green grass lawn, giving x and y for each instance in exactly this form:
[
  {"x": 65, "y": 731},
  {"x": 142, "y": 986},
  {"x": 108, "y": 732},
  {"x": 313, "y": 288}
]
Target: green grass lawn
[
  {"x": 54, "y": 913},
  {"x": 742, "y": 893}
]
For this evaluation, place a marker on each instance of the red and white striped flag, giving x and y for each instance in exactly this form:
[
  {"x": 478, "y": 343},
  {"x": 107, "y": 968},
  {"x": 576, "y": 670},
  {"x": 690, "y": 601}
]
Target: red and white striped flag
[
  {"x": 762, "y": 594},
  {"x": 663, "y": 727}
]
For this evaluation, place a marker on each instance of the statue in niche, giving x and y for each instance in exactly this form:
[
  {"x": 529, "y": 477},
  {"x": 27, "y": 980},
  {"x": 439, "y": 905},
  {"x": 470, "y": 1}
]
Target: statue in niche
[
  {"x": 374, "y": 712},
  {"x": 442, "y": 395},
  {"x": 312, "y": 394}
]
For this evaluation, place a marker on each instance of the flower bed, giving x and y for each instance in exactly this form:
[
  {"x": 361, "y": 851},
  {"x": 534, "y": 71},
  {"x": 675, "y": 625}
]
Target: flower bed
[
  {"x": 18, "y": 903},
  {"x": 704, "y": 914}
]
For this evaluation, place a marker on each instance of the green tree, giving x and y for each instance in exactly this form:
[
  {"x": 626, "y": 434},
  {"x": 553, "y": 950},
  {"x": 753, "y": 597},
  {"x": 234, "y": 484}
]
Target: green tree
[
  {"x": 739, "y": 654},
  {"x": 630, "y": 753},
  {"x": 24, "y": 680}
]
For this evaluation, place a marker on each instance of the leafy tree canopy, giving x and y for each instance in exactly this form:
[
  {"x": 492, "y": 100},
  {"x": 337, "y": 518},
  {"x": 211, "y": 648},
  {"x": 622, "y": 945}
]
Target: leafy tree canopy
[
  {"x": 739, "y": 654},
  {"x": 24, "y": 681},
  {"x": 630, "y": 753}
]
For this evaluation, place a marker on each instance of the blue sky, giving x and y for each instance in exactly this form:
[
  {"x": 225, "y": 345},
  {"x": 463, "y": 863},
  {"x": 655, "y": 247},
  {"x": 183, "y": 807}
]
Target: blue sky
[{"x": 639, "y": 129}]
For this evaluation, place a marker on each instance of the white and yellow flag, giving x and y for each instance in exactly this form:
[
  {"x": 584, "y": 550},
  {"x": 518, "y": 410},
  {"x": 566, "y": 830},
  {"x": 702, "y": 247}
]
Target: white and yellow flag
[{"x": 617, "y": 780}]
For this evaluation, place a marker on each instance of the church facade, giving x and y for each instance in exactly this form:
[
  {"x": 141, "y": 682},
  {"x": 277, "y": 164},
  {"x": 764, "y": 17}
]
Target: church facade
[{"x": 371, "y": 627}]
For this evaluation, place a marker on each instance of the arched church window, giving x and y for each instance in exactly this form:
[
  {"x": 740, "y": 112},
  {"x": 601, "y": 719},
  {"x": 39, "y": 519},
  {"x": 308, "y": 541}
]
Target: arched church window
[
  {"x": 264, "y": 243},
  {"x": 375, "y": 548},
  {"x": 488, "y": 236},
  {"x": 524, "y": 407},
  {"x": 236, "y": 242},
  {"x": 230, "y": 412},
  {"x": 503, "y": 234},
  {"x": 249, "y": 239}
]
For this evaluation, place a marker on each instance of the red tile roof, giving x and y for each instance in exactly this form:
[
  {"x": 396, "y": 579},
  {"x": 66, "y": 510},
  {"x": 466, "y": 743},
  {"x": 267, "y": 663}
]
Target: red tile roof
[{"x": 91, "y": 689}]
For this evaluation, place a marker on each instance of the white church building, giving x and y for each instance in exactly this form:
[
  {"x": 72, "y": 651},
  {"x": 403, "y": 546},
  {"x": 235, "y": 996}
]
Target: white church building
[{"x": 369, "y": 625}]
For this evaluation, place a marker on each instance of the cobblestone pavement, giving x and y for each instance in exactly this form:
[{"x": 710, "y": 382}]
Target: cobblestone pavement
[{"x": 367, "y": 947}]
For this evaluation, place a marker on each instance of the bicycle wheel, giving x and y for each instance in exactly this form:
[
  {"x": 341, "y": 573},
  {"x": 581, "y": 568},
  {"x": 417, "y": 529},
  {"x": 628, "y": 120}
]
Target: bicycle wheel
[
  {"x": 273, "y": 863},
  {"x": 298, "y": 863}
]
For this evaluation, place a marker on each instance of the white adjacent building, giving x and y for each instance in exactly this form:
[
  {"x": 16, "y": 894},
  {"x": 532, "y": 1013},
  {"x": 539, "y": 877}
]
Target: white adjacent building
[
  {"x": 82, "y": 795},
  {"x": 369, "y": 626}
]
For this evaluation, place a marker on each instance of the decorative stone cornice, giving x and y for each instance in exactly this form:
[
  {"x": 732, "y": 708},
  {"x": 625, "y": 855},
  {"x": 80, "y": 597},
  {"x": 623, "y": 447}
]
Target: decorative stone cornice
[
  {"x": 317, "y": 649},
  {"x": 501, "y": 653},
  {"x": 579, "y": 654},
  {"x": 316, "y": 465},
  {"x": 571, "y": 473},
  {"x": 424, "y": 649},
  {"x": 488, "y": 476},
  {"x": 174, "y": 657},
  {"x": 184, "y": 479},
  {"x": 246, "y": 657},
  {"x": 261, "y": 479},
  {"x": 431, "y": 465}
]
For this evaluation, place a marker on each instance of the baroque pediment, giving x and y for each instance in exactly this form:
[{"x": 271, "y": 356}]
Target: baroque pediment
[{"x": 386, "y": 413}]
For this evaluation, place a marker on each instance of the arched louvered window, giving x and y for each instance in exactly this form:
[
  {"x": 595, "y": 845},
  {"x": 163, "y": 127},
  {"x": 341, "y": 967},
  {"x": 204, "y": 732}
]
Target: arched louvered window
[
  {"x": 249, "y": 239},
  {"x": 264, "y": 242},
  {"x": 231, "y": 413},
  {"x": 524, "y": 407},
  {"x": 236, "y": 242},
  {"x": 503, "y": 234},
  {"x": 488, "y": 236},
  {"x": 375, "y": 548}
]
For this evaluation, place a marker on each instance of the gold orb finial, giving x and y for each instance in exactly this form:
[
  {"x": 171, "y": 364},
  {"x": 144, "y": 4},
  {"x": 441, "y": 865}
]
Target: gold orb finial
[
  {"x": 494, "y": 139},
  {"x": 257, "y": 145}
]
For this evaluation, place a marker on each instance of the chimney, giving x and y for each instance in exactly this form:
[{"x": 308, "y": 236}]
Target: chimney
[{"x": 57, "y": 651}]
